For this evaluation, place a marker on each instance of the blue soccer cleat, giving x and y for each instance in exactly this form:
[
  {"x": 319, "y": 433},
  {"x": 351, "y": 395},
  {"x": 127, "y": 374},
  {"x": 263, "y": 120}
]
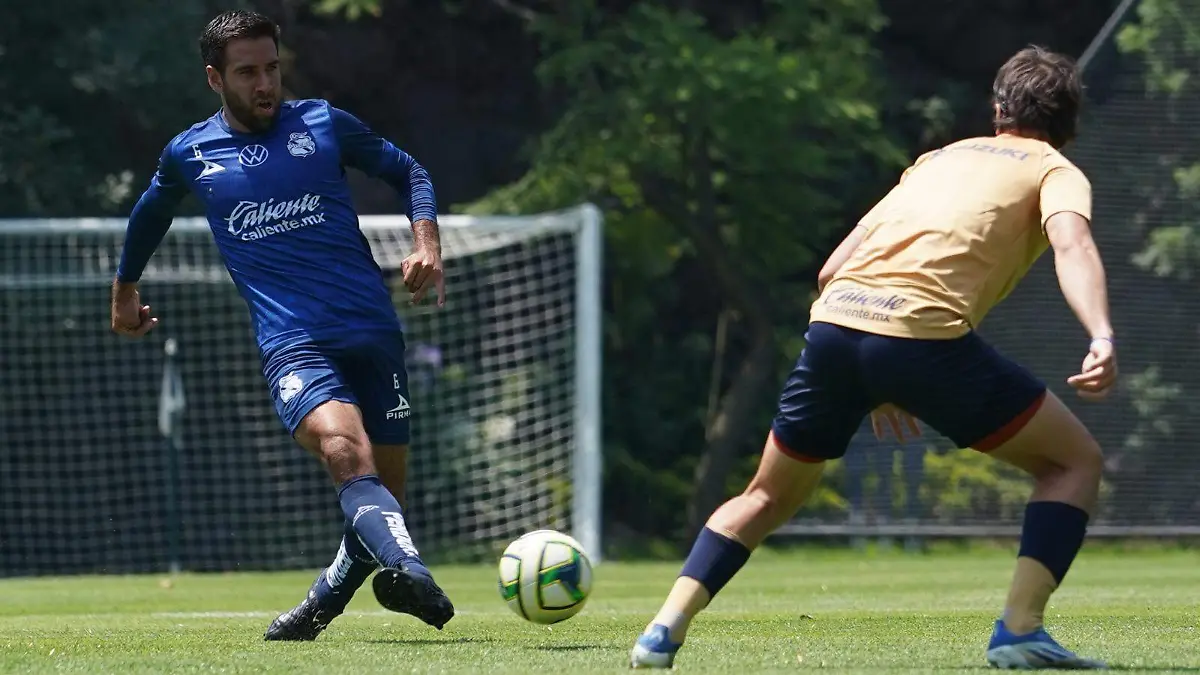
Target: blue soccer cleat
[
  {"x": 654, "y": 649},
  {"x": 1033, "y": 651},
  {"x": 407, "y": 591}
]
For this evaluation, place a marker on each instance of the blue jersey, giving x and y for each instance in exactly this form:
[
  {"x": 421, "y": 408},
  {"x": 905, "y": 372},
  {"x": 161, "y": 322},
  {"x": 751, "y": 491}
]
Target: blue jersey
[{"x": 280, "y": 210}]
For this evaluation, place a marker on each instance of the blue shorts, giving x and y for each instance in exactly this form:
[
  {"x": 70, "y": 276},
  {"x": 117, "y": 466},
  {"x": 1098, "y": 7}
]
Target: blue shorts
[
  {"x": 961, "y": 387},
  {"x": 366, "y": 369}
]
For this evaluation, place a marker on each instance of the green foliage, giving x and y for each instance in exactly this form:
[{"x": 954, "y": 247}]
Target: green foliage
[
  {"x": 958, "y": 486},
  {"x": 70, "y": 72},
  {"x": 965, "y": 484},
  {"x": 1152, "y": 400},
  {"x": 686, "y": 137},
  {"x": 351, "y": 9},
  {"x": 1167, "y": 38},
  {"x": 1168, "y": 35}
]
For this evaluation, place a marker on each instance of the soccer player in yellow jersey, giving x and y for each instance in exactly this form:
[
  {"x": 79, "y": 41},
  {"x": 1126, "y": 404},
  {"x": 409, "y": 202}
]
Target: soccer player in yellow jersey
[{"x": 892, "y": 336}]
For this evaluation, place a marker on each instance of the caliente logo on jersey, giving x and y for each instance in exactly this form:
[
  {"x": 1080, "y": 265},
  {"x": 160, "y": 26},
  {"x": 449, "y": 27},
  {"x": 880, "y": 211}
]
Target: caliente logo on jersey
[{"x": 251, "y": 221}]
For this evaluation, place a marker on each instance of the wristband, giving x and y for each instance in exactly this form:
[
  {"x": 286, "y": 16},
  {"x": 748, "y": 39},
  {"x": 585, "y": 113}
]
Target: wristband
[{"x": 1109, "y": 339}]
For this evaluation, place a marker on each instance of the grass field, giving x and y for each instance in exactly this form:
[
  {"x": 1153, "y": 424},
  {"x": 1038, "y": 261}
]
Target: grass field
[{"x": 833, "y": 610}]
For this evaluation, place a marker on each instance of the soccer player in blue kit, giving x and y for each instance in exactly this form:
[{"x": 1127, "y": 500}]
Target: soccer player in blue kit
[{"x": 271, "y": 176}]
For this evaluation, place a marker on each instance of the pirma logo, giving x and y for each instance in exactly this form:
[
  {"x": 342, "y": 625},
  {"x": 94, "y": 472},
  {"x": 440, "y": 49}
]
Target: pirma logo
[
  {"x": 395, "y": 523},
  {"x": 401, "y": 410}
]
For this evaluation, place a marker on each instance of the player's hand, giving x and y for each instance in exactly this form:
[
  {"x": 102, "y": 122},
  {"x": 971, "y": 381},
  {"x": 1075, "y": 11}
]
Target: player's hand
[
  {"x": 897, "y": 420},
  {"x": 1099, "y": 371},
  {"x": 129, "y": 316},
  {"x": 423, "y": 270}
]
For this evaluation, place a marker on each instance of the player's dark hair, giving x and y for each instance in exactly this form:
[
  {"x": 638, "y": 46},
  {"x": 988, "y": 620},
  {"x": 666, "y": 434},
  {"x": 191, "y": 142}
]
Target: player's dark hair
[
  {"x": 230, "y": 26},
  {"x": 1038, "y": 91}
]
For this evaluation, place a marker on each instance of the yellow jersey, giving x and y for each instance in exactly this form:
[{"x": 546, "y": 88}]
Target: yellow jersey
[{"x": 953, "y": 238}]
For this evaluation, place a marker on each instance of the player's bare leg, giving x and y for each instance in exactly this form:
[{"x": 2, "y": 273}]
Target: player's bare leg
[
  {"x": 1066, "y": 464},
  {"x": 391, "y": 463},
  {"x": 779, "y": 488},
  {"x": 374, "y": 531}
]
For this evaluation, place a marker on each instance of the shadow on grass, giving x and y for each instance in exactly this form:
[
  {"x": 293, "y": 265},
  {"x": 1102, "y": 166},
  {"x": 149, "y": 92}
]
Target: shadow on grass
[
  {"x": 431, "y": 641},
  {"x": 1156, "y": 668},
  {"x": 567, "y": 648}
]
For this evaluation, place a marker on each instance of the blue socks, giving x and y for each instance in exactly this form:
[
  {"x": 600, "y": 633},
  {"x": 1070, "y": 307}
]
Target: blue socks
[
  {"x": 346, "y": 574},
  {"x": 714, "y": 560},
  {"x": 1052, "y": 535},
  {"x": 374, "y": 514}
]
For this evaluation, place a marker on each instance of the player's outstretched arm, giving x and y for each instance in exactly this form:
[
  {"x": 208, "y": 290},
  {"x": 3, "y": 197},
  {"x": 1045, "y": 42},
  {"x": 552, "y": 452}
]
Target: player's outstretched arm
[
  {"x": 1084, "y": 286},
  {"x": 369, "y": 152},
  {"x": 148, "y": 224}
]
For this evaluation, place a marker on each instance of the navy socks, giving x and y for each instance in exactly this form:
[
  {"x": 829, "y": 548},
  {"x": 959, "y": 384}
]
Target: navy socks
[
  {"x": 1052, "y": 535},
  {"x": 714, "y": 560},
  {"x": 346, "y": 574},
  {"x": 375, "y": 516}
]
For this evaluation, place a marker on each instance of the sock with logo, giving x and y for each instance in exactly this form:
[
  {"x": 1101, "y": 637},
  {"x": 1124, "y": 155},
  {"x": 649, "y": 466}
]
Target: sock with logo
[
  {"x": 375, "y": 516},
  {"x": 350, "y": 568}
]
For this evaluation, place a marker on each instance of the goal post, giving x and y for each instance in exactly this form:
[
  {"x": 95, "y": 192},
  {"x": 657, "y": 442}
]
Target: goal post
[{"x": 505, "y": 386}]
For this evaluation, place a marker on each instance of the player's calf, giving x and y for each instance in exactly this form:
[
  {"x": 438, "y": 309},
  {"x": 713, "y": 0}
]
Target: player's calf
[
  {"x": 779, "y": 488},
  {"x": 334, "y": 430},
  {"x": 1066, "y": 464}
]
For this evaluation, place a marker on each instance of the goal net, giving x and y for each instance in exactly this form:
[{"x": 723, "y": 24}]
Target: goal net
[
  {"x": 1139, "y": 144},
  {"x": 121, "y": 457}
]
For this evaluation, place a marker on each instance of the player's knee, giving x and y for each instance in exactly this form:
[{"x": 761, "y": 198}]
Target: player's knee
[
  {"x": 1088, "y": 460},
  {"x": 1077, "y": 471},
  {"x": 346, "y": 455}
]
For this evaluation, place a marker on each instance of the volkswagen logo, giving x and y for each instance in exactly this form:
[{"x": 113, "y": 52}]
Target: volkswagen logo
[{"x": 252, "y": 155}]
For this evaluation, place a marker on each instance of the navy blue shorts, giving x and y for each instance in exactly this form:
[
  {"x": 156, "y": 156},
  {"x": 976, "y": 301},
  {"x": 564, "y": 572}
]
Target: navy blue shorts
[
  {"x": 366, "y": 369},
  {"x": 962, "y": 387}
]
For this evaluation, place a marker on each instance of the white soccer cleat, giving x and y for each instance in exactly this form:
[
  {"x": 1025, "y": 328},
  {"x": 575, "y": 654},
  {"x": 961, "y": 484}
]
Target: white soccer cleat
[
  {"x": 654, "y": 649},
  {"x": 1034, "y": 651}
]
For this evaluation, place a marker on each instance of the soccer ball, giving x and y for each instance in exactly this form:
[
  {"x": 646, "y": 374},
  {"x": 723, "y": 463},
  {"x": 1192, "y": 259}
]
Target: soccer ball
[{"x": 545, "y": 577}]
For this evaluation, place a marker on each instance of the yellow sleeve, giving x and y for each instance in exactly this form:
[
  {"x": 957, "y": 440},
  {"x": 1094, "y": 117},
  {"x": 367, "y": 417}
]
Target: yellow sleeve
[
  {"x": 1064, "y": 188},
  {"x": 873, "y": 216}
]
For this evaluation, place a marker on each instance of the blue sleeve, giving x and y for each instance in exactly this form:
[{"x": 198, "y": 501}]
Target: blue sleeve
[
  {"x": 375, "y": 156},
  {"x": 151, "y": 217}
]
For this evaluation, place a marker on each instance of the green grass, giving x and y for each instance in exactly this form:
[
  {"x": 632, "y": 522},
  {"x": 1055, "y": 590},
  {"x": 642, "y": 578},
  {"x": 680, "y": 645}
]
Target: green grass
[{"x": 834, "y": 610}]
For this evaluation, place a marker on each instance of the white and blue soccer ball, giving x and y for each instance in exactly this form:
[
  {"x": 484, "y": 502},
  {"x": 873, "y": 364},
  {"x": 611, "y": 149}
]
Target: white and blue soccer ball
[{"x": 545, "y": 577}]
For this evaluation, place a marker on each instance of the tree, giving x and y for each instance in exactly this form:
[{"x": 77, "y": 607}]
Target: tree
[
  {"x": 91, "y": 94},
  {"x": 1165, "y": 39},
  {"x": 724, "y": 165}
]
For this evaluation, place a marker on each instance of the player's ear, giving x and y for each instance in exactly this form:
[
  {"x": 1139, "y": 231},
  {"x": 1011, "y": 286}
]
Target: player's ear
[{"x": 214, "y": 79}]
